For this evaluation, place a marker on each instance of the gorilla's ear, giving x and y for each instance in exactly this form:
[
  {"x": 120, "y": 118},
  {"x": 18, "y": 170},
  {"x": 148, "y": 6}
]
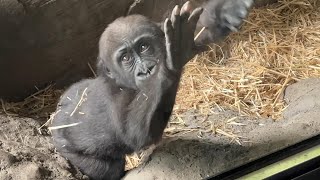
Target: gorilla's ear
[{"x": 102, "y": 68}]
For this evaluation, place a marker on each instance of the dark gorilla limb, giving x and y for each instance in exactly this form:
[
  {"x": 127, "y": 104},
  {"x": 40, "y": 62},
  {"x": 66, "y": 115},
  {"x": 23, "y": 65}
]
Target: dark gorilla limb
[
  {"x": 126, "y": 108},
  {"x": 113, "y": 168},
  {"x": 220, "y": 17},
  {"x": 184, "y": 25}
]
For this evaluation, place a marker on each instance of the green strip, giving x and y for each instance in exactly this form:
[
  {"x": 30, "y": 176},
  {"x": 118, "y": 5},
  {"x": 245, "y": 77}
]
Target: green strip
[{"x": 283, "y": 164}]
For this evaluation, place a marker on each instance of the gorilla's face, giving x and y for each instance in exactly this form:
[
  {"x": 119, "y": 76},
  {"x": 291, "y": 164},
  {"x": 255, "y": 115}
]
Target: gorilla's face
[{"x": 130, "y": 49}]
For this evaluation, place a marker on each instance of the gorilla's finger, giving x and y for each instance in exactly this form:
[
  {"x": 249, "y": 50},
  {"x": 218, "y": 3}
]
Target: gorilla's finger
[
  {"x": 175, "y": 19},
  {"x": 232, "y": 20},
  {"x": 248, "y": 3},
  {"x": 168, "y": 30},
  {"x": 232, "y": 28},
  {"x": 175, "y": 15},
  {"x": 194, "y": 17},
  {"x": 186, "y": 8},
  {"x": 242, "y": 12},
  {"x": 185, "y": 11}
]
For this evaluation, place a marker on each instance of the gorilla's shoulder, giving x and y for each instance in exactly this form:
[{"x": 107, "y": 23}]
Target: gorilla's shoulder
[
  {"x": 78, "y": 87},
  {"x": 95, "y": 88},
  {"x": 76, "y": 91}
]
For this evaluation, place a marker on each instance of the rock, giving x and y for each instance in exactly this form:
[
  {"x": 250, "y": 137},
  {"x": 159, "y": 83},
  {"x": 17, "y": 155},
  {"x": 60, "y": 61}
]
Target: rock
[
  {"x": 6, "y": 159},
  {"x": 302, "y": 97},
  {"x": 28, "y": 171}
]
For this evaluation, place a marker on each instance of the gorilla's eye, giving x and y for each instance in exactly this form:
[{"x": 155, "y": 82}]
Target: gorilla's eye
[
  {"x": 144, "y": 47},
  {"x": 125, "y": 57}
]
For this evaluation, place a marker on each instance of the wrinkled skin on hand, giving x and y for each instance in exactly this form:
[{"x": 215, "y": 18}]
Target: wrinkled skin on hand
[{"x": 179, "y": 31}]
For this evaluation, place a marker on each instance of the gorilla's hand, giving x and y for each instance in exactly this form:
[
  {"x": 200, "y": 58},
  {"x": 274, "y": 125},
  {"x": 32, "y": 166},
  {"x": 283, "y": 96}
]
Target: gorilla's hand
[
  {"x": 220, "y": 17},
  {"x": 233, "y": 12},
  {"x": 179, "y": 32}
]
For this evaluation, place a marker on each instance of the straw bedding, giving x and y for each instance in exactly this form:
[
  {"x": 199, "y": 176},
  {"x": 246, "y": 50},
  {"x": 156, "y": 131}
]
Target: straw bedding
[{"x": 278, "y": 45}]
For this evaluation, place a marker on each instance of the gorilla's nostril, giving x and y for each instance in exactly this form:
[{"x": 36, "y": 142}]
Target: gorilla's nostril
[
  {"x": 150, "y": 69},
  {"x": 141, "y": 74},
  {"x": 146, "y": 72}
]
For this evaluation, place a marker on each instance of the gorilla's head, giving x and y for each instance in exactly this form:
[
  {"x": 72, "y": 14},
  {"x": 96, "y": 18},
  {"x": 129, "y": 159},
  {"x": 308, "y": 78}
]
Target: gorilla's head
[{"x": 130, "y": 49}]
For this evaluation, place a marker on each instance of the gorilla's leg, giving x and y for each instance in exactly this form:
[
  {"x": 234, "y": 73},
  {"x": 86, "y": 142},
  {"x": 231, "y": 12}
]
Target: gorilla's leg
[{"x": 98, "y": 169}]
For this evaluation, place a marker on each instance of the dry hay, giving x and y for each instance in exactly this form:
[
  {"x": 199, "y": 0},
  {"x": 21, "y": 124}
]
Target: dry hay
[
  {"x": 278, "y": 45},
  {"x": 38, "y": 105}
]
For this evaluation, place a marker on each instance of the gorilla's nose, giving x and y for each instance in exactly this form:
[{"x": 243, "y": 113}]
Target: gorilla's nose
[{"x": 145, "y": 71}]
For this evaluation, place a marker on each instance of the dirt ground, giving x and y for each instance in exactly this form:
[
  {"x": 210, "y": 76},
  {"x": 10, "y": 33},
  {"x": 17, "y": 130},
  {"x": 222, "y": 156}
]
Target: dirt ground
[{"x": 26, "y": 155}]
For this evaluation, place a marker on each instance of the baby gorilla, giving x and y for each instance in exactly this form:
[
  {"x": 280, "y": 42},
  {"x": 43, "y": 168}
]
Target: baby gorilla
[{"x": 127, "y": 107}]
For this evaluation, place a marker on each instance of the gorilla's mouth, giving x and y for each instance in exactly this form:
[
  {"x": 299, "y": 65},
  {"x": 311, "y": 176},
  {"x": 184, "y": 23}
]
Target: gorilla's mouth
[{"x": 143, "y": 75}]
